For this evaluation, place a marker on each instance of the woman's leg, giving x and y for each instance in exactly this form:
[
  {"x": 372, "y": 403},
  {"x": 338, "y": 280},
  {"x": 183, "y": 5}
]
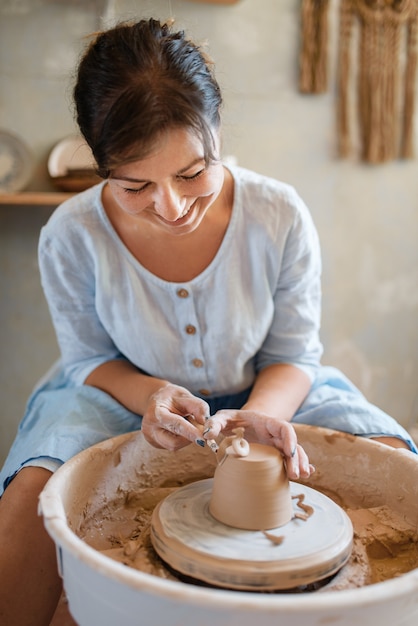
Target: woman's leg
[
  {"x": 62, "y": 616},
  {"x": 393, "y": 442},
  {"x": 30, "y": 586},
  {"x": 334, "y": 402}
]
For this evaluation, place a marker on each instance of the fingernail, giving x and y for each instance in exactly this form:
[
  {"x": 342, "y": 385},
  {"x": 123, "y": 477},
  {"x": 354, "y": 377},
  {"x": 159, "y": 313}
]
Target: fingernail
[
  {"x": 212, "y": 445},
  {"x": 201, "y": 442},
  {"x": 207, "y": 430}
]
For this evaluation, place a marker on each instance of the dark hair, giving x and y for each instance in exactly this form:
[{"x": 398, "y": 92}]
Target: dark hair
[{"x": 136, "y": 81}]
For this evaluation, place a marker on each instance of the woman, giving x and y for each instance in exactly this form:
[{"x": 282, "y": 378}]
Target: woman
[{"x": 179, "y": 289}]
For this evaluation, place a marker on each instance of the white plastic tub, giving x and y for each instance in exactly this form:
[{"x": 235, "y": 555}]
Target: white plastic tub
[{"x": 103, "y": 591}]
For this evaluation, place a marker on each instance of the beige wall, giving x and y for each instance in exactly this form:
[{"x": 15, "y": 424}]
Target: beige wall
[{"x": 367, "y": 216}]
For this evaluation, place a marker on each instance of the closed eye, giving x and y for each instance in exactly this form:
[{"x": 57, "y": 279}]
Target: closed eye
[
  {"x": 193, "y": 176},
  {"x": 127, "y": 190},
  {"x": 180, "y": 177}
]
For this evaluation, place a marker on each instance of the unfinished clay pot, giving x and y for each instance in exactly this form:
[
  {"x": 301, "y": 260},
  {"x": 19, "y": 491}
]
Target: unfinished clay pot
[{"x": 251, "y": 491}]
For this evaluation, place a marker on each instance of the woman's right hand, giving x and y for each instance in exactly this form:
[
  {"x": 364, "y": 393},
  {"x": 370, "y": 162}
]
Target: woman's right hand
[{"x": 174, "y": 417}]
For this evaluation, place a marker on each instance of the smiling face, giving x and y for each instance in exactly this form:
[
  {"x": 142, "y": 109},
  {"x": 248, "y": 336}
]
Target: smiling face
[{"x": 172, "y": 189}]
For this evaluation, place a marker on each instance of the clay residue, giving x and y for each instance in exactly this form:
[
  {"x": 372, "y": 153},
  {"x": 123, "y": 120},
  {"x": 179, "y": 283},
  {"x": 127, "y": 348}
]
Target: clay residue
[
  {"x": 277, "y": 541},
  {"x": 121, "y": 530},
  {"x": 390, "y": 544},
  {"x": 306, "y": 508},
  {"x": 384, "y": 547}
]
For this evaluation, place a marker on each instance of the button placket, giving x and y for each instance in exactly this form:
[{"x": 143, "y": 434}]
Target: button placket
[{"x": 191, "y": 344}]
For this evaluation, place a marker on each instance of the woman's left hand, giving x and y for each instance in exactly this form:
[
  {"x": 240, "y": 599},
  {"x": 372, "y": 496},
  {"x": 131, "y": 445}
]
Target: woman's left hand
[{"x": 262, "y": 428}]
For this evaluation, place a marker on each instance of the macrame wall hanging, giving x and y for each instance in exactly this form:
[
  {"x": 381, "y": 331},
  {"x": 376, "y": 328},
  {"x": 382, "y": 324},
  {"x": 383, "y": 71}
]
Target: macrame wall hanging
[
  {"x": 314, "y": 47},
  {"x": 378, "y": 75}
]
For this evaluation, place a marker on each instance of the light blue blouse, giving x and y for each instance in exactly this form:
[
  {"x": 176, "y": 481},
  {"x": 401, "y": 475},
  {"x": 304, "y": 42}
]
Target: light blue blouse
[{"x": 257, "y": 303}]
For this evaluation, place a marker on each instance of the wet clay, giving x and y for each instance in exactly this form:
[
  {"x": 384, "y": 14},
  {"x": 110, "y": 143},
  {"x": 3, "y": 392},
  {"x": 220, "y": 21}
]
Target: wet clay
[
  {"x": 187, "y": 537},
  {"x": 216, "y": 530},
  {"x": 251, "y": 489},
  {"x": 385, "y": 546}
]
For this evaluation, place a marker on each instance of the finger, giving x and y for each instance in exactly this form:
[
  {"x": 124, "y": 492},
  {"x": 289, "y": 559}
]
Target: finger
[
  {"x": 292, "y": 465},
  {"x": 217, "y": 423},
  {"x": 285, "y": 439},
  {"x": 149, "y": 438},
  {"x": 168, "y": 419},
  {"x": 284, "y": 436},
  {"x": 199, "y": 424},
  {"x": 161, "y": 438},
  {"x": 305, "y": 468},
  {"x": 298, "y": 465},
  {"x": 167, "y": 432},
  {"x": 169, "y": 441},
  {"x": 185, "y": 428},
  {"x": 195, "y": 410}
]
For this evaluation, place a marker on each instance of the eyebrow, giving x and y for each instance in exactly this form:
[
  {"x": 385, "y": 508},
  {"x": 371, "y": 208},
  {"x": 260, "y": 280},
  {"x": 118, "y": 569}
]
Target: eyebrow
[{"x": 128, "y": 179}]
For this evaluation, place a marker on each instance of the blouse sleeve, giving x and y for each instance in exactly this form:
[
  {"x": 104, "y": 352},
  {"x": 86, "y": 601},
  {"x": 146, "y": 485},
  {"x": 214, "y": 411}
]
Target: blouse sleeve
[
  {"x": 68, "y": 279},
  {"x": 294, "y": 333}
]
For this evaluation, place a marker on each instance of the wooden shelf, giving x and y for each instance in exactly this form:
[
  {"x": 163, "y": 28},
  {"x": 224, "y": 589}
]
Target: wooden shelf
[{"x": 34, "y": 198}]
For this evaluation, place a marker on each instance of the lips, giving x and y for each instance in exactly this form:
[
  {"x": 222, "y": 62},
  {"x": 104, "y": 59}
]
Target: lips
[
  {"x": 184, "y": 217},
  {"x": 185, "y": 212}
]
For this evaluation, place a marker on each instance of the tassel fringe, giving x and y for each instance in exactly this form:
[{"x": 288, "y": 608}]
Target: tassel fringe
[
  {"x": 382, "y": 74},
  {"x": 313, "y": 76}
]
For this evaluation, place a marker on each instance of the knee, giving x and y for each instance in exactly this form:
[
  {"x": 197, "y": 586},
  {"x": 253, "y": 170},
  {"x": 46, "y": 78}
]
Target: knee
[{"x": 23, "y": 491}]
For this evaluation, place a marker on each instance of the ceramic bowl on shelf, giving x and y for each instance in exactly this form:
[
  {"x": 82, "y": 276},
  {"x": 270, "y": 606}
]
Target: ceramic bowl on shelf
[
  {"x": 16, "y": 163},
  {"x": 71, "y": 165}
]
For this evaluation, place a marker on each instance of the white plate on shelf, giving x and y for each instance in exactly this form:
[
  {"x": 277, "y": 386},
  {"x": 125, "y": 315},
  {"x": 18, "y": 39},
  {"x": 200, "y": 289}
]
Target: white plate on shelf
[
  {"x": 16, "y": 163},
  {"x": 70, "y": 154}
]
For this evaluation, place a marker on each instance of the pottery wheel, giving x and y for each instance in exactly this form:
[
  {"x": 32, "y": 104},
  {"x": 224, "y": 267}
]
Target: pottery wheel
[{"x": 186, "y": 536}]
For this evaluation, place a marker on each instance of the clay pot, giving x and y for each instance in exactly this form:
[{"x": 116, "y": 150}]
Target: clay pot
[{"x": 252, "y": 492}]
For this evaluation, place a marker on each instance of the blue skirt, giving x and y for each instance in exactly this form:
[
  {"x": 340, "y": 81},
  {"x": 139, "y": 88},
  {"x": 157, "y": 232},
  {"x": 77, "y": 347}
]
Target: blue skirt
[{"x": 61, "y": 420}]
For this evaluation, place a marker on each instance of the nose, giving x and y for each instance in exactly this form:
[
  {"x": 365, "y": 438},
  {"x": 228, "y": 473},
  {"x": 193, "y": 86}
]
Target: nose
[{"x": 169, "y": 203}]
